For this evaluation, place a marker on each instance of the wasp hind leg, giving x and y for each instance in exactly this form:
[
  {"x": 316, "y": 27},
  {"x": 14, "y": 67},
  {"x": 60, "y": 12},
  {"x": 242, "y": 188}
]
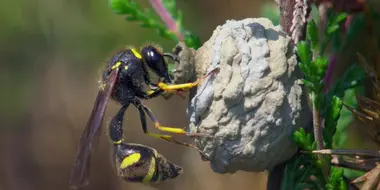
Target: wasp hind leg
[
  {"x": 143, "y": 109},
  {"x": 175, "y": 130}
]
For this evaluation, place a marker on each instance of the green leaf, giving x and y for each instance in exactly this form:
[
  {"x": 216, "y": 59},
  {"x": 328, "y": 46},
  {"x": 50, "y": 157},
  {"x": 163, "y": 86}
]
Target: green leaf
[
  {"x": 191, "y": 40},
  {"x": 304, "y": 52},
  {"x": 312, "y": 34},
  {"x": 341, "y": 17},
  {"x": 333, "y": 105},
  {"x": 315, "y": 79},
  {"x": 314, "y": 146},
  {"x": 321, "y": 64},
  {"x": 308, "y": 84},
  {"x": 343, "y": 185},
  {"x": 332, "y": 29},
  {"x": 134, "y": 12},
  {"x": 334, "y": 21},
  {"x": 304, "y": 68},
  {"x": 335, "y": 179},
  {"x": 299, "y": 137},
  {"x": 336, "y": 107},
  {"x": 303, "y": 139}
]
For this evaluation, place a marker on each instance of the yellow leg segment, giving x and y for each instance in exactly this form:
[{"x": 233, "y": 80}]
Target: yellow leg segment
[
  {"x": 170, "y": 129},
  {"x": 172, "y": 87},
  {"x": 143, "y": 109},
  {"x": 180, "y": 131}
]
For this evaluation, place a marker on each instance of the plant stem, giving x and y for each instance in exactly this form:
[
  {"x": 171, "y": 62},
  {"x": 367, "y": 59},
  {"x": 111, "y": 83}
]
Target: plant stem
[
  {"x": 167, "y": 18},
  {"x": 329, "y": 72},
  {"x": 339, "y": 162},
  {"x": 317, "y": 124},
  {"x": 354, "y": 152},
  {"x": 325, "y": 168}
]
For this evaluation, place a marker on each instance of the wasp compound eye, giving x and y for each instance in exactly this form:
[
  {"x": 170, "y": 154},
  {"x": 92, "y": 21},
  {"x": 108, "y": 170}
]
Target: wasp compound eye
[
  {"x": 155, "y": 60},
  {"x": 139, "y": 163}
]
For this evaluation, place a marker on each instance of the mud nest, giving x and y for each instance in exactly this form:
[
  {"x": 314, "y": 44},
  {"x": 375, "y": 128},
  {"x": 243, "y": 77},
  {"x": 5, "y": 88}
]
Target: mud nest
[{"x": 255, "y": 101}]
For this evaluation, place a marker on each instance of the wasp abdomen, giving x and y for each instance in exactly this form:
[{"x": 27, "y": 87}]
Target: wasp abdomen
[{"x": 139, "y": 163}]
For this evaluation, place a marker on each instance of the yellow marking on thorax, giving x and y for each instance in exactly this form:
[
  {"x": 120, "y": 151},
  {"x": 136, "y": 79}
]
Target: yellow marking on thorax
[
  {"x": 117, "y": 65},
  {"x": 150, "y": 92},
  {"x": 130, "y": 160},
  {"x": 137, "y": 54},
  {"x": 126, "y": 67},
  {"x": 152, "y": 169}
]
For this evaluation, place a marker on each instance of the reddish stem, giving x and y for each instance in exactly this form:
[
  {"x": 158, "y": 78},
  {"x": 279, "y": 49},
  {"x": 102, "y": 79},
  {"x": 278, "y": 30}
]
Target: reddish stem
[
  {"x": 334, "y": 58},
  {"x": 329, "y": 73},
  {"x": 348, "y": 22},
  {"x": 167, "y": 18}
]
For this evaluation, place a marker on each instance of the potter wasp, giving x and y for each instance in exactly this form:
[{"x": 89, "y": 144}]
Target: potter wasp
[{"x": 123, "y": 81}]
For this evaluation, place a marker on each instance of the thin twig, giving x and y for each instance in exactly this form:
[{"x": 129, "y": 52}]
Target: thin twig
[
  {"x": 369, "y": 153},
  {"x": 318, "y": 137},
  {"x": 317, "y": 127},
  {"x": 339, "y": 162},
  {"x": 167, "y": 18},
  {"x": 371, "y": 179}
]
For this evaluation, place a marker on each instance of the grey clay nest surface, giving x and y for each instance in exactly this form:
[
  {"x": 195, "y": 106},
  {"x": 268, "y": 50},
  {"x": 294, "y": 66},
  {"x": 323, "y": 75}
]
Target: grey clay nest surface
[{"x": 255, "y": 101}]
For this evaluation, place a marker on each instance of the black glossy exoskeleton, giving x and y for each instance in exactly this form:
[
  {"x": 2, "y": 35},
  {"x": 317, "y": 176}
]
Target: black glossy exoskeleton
[
  {"x": 123, "y": 80},
  {"x": 136, "y": 162}
]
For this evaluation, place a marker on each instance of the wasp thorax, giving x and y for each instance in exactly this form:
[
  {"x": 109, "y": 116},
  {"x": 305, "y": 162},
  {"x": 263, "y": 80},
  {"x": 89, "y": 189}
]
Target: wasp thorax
[{"x": 139, "y": 163}]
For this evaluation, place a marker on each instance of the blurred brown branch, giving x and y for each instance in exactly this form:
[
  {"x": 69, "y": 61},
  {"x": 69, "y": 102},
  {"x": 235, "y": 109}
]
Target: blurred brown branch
[
  {"x": 364, "y": 160},
  {"x": 348, "y": 6},
  {"x": 293, "y": 17}
]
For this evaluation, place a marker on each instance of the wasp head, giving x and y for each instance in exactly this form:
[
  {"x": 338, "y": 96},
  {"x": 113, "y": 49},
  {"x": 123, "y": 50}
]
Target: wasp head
[{"x": 155, "y": 61}]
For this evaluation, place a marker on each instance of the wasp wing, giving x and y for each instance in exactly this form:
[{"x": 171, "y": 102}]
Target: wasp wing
[{"x": 80, "y": 172}]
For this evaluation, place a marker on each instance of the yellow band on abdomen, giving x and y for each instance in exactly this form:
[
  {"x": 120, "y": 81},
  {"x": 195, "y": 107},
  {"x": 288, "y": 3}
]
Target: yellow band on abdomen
[
  {"x": 130, "y": 160},
  {"x": 152, "y": 168}
]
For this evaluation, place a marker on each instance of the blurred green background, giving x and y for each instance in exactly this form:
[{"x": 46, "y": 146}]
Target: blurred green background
[{"x": 51, "y": 54}]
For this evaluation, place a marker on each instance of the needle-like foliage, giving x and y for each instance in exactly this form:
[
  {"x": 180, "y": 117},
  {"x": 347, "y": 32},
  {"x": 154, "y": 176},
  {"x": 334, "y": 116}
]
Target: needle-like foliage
[{"x": 172, "y": 29}]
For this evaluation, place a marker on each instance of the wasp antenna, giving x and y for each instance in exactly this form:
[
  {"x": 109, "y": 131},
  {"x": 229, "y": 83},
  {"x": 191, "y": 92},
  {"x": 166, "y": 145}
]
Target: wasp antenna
[{"x": 172, "y": 56}]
